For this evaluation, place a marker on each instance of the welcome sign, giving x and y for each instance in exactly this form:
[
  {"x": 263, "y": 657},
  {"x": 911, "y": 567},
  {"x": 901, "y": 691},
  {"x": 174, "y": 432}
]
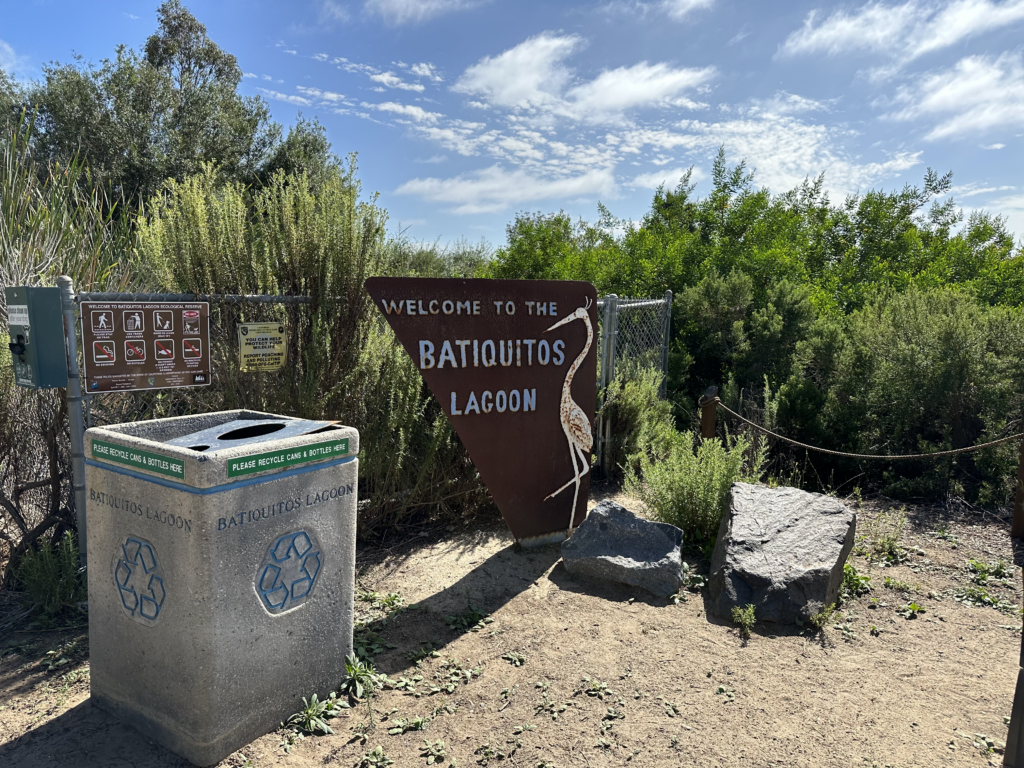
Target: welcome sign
[{"x": 513, "y": 364}]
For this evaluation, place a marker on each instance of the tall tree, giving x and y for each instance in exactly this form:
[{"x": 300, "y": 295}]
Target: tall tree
[
  {"x": 142, "y": 118},
  {"x": 304, "y": 150},
  {"x": 10, "y": 101}
]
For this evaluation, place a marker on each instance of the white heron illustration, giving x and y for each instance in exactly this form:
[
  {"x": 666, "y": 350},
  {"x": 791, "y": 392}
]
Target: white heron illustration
[{"x": 575, "y": 423}]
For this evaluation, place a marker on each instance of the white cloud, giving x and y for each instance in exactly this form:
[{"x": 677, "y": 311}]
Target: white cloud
[
  {"x": 784, "y": 103},
  {"x": 1011, "y": 208},
  {"x": 743, "y": 34},
  {"x": 287, "y": 50},
  {"x": 414, "y": 11},
  {"x": 12, "y": 62},
  {"x": 496, "y": 189},
  {"x": 679, "y": 9},
  {"x": 676, "y": 10},
  {"x": 391, "y": 80},
  {"x": 533, "y": 77},
  {"x": 434, "y": 159},
  {"x": 411, "y": 111},
  {"x": 643, "y": 85},
  {"x": 993, "y": 146},
  {"x": 424, "y": 69},
  {"x": 286, "y": 97},
  {"x": 527, "y": 76},
  {"x": 332, "y": 11},
  {"x": 460, "y": 136},
  {"x": 782, "y": 149},
  {"x": 249, "y": 74},
  {"x": 329, "y": 97},
  {"x": 131, "y": 16},
  {"x": 972, "y": 189},
  {"x": 320, "y": 56},
  {"x": 668, "y": 178},
  {"x": 977, "y": 94},
  {"x": 902, "y": 31}
]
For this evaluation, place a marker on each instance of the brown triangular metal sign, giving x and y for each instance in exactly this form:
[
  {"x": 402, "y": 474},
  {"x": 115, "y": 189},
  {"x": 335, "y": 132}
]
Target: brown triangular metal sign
[{"x": 513, "y": 364}]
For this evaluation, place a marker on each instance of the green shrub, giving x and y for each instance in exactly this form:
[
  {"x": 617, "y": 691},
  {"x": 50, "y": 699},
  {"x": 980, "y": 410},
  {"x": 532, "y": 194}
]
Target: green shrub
[
  {"x": 686, "y": 482},
  {"x": 205, "y": 236},
  {"x": 639, "y": 416},
  {"x": 744, "y": 618},
  {"x": 51, "y": 575},
  {"x": 854, "y": 585}
]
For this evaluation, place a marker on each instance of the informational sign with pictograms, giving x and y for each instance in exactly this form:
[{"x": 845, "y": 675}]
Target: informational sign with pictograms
[
  {"x": 262, "y": 346},
  {"x": 145, "y": 345},
  {"x": 513, "y": 364}
]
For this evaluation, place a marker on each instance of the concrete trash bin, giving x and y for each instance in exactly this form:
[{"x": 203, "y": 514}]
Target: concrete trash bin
[{"x": 221, "y": 572}]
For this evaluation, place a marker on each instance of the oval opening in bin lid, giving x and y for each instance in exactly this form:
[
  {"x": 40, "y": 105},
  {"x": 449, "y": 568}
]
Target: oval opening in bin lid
[
  {"x": 253, "y": 430},
  {"x": 239, "y": 432}
]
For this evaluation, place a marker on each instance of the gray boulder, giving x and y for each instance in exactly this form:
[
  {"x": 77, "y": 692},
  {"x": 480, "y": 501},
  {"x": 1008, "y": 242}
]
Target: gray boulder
[
  {"x": 614, "y": 544},
  {"x": 781, "y": 549}
]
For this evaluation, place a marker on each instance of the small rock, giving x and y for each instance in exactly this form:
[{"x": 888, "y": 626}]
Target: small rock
[
  {"x": 782, "y": 550},
  {"x": 614, "y": 544}
]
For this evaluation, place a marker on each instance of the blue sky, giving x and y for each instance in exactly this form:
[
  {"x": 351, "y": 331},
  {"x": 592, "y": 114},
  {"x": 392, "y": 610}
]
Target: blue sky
[{"x": 465, "y": 112}]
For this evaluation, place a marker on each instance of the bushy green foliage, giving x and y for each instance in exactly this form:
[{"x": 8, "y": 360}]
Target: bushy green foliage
[
  {"x": 55, "y": 221},
  {"x": 916, "y": 372},
  {"x": 207, "y": 236},
  {"x": 685, "y": 480},
  {"x": 361, "y": 679},
  {"x": 882, "y": 324},
  {"x": 854, "y": 585},
  {"x": 639, "y": 416},
  {"x": 50, "y": 575},
  {"x": 744, "y": 618}
]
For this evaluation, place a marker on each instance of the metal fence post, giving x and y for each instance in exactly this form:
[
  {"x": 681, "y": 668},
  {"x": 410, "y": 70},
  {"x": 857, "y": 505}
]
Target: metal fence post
[
  {"x": 611, "y": 313},
  {"x": 1017, "y": 526},
  {"x": 666, "y": 331},
  {"x": 76, "y": 425}
]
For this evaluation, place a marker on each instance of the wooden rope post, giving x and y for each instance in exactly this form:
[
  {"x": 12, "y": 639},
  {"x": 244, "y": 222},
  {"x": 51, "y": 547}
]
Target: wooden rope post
[
  {"x": 1017, "y": 526},
  {"x": 708, "y": 409}
]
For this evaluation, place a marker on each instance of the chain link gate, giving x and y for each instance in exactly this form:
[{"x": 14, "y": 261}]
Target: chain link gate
[{"x": 633, "y": 330}]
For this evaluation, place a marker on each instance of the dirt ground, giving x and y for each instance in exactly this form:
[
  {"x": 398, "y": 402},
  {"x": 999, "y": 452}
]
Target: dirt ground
[{"x": 669, "y": 685}]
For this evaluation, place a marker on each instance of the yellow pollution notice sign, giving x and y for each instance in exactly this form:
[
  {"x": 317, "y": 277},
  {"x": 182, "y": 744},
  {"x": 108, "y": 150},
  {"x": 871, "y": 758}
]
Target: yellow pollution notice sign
[{"x": 262, "y": 346}]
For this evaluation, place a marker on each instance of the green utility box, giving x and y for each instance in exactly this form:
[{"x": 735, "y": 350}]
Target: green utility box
[{"x": 36, "y": 325}]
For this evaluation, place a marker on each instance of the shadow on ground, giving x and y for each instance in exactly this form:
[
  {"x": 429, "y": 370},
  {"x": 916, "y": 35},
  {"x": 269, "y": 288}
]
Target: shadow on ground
[
  {"x": 86, "y": 737},
  {"x": 489, "y": 586}
]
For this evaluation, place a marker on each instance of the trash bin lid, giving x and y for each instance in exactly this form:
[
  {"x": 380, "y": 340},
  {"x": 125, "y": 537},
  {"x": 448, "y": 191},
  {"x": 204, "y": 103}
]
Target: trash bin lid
[{"x": 239, "y": 432}]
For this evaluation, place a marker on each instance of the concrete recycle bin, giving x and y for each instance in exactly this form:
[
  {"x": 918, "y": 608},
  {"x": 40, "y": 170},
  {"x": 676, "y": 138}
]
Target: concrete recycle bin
[{"x": 221, "y": 572}]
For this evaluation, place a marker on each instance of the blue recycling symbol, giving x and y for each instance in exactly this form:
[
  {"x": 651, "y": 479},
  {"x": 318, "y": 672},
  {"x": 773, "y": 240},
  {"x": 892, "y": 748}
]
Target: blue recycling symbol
[
  {"x": 288, "y": 572},
  {"x": 138, "y": 580}
]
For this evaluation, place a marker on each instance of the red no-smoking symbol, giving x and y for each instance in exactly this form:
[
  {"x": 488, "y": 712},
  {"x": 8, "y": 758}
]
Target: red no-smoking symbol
[{"x": 103, "y": 351}]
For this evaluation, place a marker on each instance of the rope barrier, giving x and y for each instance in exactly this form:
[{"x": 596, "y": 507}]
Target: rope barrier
[{"x": 870, "y": 455}]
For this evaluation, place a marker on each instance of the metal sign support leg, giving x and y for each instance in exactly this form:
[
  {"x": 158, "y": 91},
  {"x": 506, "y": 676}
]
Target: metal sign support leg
[
  {"x": 1013, "y": 756},
  {"x": 76, "y": 424}
]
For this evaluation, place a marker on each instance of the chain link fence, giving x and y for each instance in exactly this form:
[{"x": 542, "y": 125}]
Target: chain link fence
[{"x": 634, "y": 331}]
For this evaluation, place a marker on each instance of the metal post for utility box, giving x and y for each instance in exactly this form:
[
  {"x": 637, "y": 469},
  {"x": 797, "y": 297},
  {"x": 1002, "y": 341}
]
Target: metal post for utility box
[{"x": 76, "y": 424}]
